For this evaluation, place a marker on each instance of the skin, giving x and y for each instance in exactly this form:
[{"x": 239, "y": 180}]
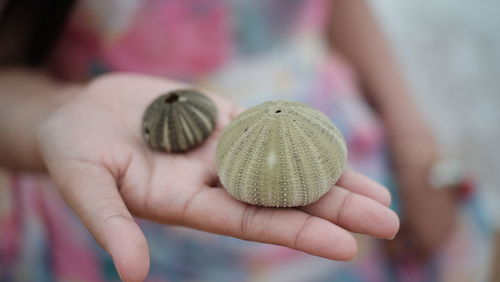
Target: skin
[
  {"x": 429, "y": 214},
  {"x": 92, "y": 147},
  {"x": 87, "y": 137}
]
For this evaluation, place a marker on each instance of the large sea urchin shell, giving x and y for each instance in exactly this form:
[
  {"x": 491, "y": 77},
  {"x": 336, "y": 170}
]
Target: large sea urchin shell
[
  {"x": 179, "y": 120},
  {"x": 280, "y": 154}
]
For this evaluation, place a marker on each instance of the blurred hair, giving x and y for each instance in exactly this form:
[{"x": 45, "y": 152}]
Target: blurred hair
[{"x": 29, "y": 29}]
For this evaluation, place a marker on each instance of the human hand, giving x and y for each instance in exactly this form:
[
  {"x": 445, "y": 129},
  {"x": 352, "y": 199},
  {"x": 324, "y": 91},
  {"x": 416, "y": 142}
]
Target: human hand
[
  {"x": 93, "y": 148},
  {"x": 429, "y": 214}
]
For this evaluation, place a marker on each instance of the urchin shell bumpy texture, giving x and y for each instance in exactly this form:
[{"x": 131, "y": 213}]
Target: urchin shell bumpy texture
[
  {"x": 179, "y": 121},
  {"x": 280, "y": 154}
]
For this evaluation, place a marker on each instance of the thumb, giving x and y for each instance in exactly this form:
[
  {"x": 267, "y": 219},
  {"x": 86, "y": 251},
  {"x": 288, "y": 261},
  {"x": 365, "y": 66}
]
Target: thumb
[{"x": 91, "y": 191}]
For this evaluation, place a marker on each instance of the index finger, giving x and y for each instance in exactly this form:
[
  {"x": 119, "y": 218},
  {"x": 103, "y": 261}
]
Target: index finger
[{"x": 213, "y": 210}]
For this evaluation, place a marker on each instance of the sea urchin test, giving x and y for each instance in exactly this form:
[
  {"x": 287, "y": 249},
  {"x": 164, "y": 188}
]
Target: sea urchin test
[
  {"x": 280, "y": 154},
  {"x": 179, "y": 121}
]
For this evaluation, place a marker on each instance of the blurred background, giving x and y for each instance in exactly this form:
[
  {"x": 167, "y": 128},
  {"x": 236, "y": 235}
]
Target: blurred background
[
  {"x": 449, "y": 51},
  {"x": 450, "y": 54}
]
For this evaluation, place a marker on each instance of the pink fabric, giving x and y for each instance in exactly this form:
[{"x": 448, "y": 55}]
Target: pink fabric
[{"x": 165, "y": 39}]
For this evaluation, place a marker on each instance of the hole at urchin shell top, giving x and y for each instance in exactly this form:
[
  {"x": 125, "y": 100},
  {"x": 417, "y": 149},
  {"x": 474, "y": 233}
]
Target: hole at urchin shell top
[
  {"x": 245, "y": 130},
  {"x": 147, "y": 132},
  {"x": 172, "y": 98},
  {"x": 278, "y": 111}
]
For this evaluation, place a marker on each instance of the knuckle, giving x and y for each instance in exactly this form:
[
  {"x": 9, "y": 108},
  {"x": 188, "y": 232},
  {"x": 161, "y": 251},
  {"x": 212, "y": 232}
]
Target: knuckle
[
  {"x": 110, "y": 214},
  {"x": 343, "y": 207},
  {"x": 298, "y": 238},
  {"x": 248, "y": 221}
]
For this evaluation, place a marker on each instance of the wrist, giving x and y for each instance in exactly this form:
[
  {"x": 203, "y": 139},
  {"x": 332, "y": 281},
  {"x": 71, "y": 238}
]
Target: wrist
[
  {"x": 420, "y": 164},
  {"x": 28, "y": 99}
]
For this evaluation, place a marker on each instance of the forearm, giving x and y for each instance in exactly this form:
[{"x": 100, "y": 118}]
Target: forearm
[
  {"x": 356, "y": 35},
  {"x": 26, "y": 100}
]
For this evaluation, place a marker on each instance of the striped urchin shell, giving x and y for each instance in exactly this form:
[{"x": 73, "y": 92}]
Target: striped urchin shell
[
  {"x": 179, "y": 120},
  {"x": 280, "y": 154}
]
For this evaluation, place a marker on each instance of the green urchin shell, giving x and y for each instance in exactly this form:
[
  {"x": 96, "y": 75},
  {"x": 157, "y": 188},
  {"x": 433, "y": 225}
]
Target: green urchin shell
[
  {"x": 280, "y": 154},
  {"x": 179, "y": 120}
]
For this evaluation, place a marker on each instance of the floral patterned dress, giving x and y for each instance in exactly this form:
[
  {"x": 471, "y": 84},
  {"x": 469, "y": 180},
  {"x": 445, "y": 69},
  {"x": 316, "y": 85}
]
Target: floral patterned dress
[{"x": 251, "y": 52}]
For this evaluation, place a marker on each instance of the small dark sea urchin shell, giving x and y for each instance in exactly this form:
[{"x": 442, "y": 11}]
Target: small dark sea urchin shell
[
  {"x": 280, "y": 154},
  {"x": 179, "y": 120}
]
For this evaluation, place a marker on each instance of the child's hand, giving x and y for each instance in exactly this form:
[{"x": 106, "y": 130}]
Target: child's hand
[
  {"x": 94, "y": 151},
  {"x": 429, "y": 213}
]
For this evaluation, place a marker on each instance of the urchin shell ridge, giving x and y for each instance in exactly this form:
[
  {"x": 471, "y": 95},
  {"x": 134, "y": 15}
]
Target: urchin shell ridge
[
  {"x": 179, "y": 120},
  {"x": 280, "y": 154}
]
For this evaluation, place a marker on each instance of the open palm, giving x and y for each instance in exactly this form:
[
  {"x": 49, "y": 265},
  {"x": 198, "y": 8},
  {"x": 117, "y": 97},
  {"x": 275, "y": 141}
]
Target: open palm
[{"x": 94, "y": 151}]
